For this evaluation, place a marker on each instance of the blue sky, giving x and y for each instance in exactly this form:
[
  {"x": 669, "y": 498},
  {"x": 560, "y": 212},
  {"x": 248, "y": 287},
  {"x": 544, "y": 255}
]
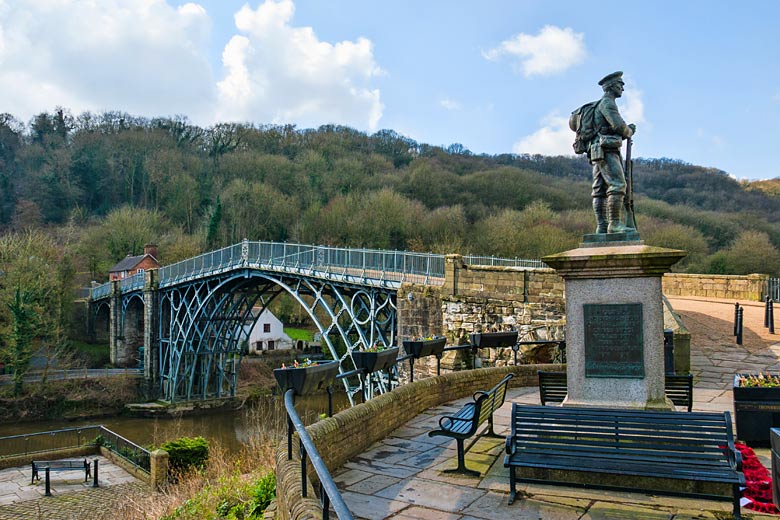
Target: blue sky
[{"x": 703, "y": 78}]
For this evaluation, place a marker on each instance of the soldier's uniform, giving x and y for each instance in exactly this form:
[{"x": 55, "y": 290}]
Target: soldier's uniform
[{"x": 609, "y": 182}]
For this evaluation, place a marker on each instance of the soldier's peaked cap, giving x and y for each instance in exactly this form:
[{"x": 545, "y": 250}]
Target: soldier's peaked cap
[{"x": 609, "y": 77}]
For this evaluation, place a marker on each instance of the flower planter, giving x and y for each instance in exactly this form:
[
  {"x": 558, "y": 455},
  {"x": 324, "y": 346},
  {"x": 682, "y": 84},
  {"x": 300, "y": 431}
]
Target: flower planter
[
  {"x": 307, "y": 380},
  {"x": 423, "y": 348},
  {"x": 493, "y": 339},
  {"x": 375, "y": 361},
  {"x": 756, "y": 410}
]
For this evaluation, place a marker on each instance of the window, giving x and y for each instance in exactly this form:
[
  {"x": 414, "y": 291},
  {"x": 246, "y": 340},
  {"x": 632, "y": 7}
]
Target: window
[
  {"x": 266, "y": 327},
  {"x": 141, "y": 270},
  {"x": 270, "y": 345}
]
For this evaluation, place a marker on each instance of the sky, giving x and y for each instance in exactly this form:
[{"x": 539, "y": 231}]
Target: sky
[{"x": 497, "y": 76}]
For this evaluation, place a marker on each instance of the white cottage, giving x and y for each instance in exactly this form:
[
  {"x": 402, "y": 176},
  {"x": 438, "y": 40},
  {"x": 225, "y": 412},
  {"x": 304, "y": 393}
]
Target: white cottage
[{"x": 268, "y": 334}]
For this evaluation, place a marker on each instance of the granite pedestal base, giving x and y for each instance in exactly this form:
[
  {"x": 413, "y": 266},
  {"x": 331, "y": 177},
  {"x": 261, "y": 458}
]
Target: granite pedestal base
[{"x": 614, "y": 324}]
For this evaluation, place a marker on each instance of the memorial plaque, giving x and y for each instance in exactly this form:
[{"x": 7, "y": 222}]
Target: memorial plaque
[{"x": 614, "y": 345}]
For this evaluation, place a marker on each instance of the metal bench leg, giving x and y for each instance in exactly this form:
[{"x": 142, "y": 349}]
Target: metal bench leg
[
  {"x": 737, "y": 495},
  {"x": 490, "y": 432},
  {"x": 512, "y": 485},
  {"x": 462, "y": 469}
]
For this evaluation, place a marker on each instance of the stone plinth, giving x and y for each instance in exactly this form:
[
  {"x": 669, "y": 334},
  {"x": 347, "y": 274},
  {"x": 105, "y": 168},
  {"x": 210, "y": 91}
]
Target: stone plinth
[{"x": 614, "y": 324}]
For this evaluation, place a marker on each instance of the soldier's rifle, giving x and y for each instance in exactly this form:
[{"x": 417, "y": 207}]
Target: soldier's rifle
[{"x": 629, "y": 202}]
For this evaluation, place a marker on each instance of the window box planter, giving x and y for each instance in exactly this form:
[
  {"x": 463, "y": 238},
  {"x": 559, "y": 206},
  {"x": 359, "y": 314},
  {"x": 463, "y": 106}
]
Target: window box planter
[
  {"x": 493, "y": 339},
  {"x": 308, "y": 379},
  {"x": 423, "y": 348},
  {"x": 375, "y": 361},
  {"x": 756, "y": 410}
]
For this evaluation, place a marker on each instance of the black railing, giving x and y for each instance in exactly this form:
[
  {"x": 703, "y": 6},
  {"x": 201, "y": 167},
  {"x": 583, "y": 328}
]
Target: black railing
[
  {"x": 329, "y": 493},
  {"x": 67, "y": 438},
  {"x": 561, "y": 355}
]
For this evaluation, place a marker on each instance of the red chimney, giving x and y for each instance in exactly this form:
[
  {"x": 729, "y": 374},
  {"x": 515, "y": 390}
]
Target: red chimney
[{"x": 151, "y": 249}]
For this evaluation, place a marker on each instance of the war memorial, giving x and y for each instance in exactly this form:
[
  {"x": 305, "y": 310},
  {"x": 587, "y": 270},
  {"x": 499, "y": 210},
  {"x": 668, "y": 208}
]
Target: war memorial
[{"x": 613, "y": 438}]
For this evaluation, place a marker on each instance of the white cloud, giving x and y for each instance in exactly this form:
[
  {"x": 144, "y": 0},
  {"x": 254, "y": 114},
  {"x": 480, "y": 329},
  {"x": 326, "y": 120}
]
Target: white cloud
[
  {"x": 449, "y": 104},
  {"x": 275, "y": 72},
  {"x": 632, "y": 108},
  {"x": 552, "y": 51},
  {"x": 140, "y": 56},
  {"x": 553, "y": 138}
]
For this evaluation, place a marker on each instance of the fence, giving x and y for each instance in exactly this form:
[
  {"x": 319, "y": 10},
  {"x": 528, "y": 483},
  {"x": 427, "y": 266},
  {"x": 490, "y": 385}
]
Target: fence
[
  {"x": 82, "y": 373},
  {"x": 70, "y": 438},
  {"x": 774, "y": 289}
]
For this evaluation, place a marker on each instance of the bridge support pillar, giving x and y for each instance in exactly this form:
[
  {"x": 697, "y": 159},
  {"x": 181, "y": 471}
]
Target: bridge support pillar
[
  {"x": 151, "y": 358},
  {"x": 115, "y": 327}
]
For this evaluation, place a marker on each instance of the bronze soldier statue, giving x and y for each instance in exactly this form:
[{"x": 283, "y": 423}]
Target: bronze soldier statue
[{"x": 609, "y": 181}]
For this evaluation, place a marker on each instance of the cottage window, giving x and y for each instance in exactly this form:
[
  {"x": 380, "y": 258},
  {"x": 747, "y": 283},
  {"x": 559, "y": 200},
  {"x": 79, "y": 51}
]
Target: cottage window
[{"x": 266, "y": 327}]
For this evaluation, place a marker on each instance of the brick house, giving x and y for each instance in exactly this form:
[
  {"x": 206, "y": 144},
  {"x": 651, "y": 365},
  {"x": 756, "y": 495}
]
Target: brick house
[{"x": 131, "y": 265}]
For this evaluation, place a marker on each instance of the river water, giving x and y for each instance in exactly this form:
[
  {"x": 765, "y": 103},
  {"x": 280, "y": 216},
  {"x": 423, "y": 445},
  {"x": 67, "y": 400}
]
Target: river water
[{"x": 230, "y": 429}]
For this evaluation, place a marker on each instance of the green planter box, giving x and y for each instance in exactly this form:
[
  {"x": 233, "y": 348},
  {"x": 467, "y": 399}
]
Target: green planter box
[
  {"x": 756, "y": 411},
  {"x": 375, "y": 361},
  {"x": 430, "y": 347},
  {"x": 493, "y": 339},
  {"x": 307, "y": 380}
]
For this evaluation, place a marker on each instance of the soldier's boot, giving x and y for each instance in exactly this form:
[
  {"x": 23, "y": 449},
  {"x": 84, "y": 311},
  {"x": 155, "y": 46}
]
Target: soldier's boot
[
  {"x": 615, "y": 209},
  {"x": 600, "y": 209}
]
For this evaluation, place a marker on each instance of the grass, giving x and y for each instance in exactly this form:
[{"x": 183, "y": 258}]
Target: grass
[
  {"x": 299, "y": 334},
  {"x": 95, "y": 355},
  {"x": 232, "y": 485}
]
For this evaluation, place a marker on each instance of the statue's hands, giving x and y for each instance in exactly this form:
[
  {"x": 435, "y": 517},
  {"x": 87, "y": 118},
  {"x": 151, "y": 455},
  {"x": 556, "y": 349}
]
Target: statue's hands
[{"x": 632, "y": 126}]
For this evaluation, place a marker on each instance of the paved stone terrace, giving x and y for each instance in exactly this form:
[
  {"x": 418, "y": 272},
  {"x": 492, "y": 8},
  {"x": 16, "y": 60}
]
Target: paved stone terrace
[
  {"x": 715, "y": 355},
  {"x": 401, "y": 478},
  {"x": 72, "y": 498}
]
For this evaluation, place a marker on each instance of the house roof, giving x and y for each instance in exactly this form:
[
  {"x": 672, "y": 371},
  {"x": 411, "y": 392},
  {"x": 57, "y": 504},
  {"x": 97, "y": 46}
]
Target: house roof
[{"x": 129, "y": 262}]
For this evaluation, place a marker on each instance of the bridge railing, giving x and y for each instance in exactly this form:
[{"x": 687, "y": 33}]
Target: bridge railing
[
  {"x": 100, "y": 291},
  {"x": 132, "y": 283},
  {"x": 356, "y": 264},
  {"x": 774, "y": 289},
  {"x": 503, "y": 262}
]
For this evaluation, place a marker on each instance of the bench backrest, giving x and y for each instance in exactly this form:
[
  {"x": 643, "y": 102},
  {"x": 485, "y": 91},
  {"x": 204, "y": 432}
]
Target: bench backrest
[
  {"x": 492, "y": 400},
  {"x": 553, "y": 387},
  {"x": 644, "y": 435},
  {"x": 679, "y": 389}
]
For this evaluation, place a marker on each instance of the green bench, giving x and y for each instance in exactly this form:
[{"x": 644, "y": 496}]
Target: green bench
[
  {"x": 553, "y": 388},
  {"x": 465, "y": 423}
]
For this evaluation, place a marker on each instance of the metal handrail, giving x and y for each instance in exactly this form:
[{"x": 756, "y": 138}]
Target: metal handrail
[
  {"x": 369, "y": 266},
  {"x": 329, "y": 492},
  {"x": 42, "y": 442}
]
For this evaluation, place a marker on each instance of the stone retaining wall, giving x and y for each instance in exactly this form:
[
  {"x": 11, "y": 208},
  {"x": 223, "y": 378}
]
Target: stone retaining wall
[
  {"x": 352, "y": 431},
  {"x": 751, "y": 287}
]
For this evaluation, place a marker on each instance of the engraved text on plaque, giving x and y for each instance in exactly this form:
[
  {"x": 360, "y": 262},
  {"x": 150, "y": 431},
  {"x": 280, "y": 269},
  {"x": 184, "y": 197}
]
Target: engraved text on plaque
[{"x": 614, "y": 345}]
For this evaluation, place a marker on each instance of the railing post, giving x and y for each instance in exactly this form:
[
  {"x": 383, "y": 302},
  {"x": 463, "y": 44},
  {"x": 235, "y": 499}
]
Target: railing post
[
  {"x": 95, "y": 473},
  {"x": 766, "y": 311},
  {"x": 736, "y": 317},
  {"x": 47, "y": 483},
  {"x": 303, "y": 470},
  {"x": 771, "y": 317},
  {"x": 289, "y": 437}
]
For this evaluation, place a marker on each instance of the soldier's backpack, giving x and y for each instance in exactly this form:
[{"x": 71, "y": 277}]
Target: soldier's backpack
[{"x": 583, "y": 122}]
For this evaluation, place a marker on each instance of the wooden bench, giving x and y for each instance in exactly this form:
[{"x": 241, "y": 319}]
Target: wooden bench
[
  {"x": 553, "y": 388},
  {"x": 59, "y": 465},
  {"x": 695, "y": 447},
  {"x": 468, "y": 419}
]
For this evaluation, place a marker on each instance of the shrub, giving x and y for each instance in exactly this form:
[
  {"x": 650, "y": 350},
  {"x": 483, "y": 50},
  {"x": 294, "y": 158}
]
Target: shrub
[{"x": 187, "y": 453}]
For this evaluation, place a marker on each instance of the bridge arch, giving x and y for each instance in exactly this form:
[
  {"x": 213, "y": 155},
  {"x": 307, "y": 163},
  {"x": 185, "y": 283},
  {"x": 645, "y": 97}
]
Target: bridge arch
[{"x": 204, "y": 323}]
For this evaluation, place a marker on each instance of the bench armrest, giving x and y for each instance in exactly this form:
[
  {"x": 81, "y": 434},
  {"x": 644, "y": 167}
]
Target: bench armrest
[
  {"x": 478, "y": 394},
  {"x": 510, "y": 445},
  {"x": 735, "y": 458},
  {"x": 451, "y": 419}
]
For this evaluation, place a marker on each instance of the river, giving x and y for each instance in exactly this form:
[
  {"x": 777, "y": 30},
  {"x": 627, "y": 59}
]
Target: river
[{"x": 230, "y": 429}]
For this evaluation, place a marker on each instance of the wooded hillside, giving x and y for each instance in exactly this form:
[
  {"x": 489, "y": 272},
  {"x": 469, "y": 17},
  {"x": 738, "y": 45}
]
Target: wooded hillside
[{"x": 102, "y": 185}]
